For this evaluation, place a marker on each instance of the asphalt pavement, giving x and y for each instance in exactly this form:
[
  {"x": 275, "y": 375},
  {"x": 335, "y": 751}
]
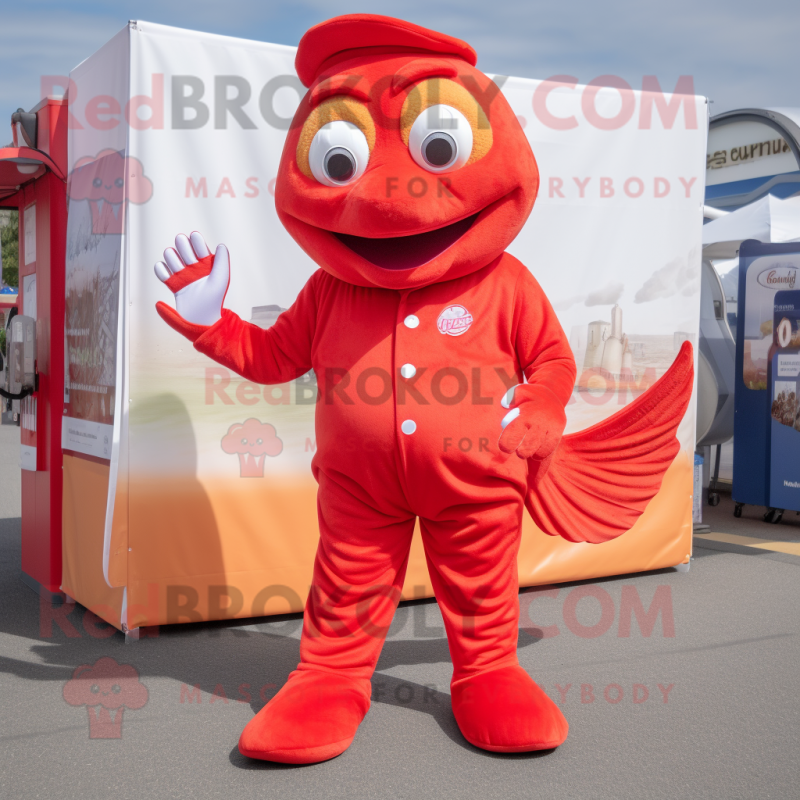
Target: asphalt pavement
[{"x": 700, "y": 702}]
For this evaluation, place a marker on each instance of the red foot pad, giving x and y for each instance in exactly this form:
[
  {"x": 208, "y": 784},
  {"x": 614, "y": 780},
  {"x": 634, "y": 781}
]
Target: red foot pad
[
  {"x": 506, "y": 712},
  {"x": 314, "y": 717}
]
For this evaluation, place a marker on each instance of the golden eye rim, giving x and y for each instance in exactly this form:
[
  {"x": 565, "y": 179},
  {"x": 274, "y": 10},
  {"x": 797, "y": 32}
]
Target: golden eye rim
[
  {"x": 420, "y": 97},
  {"x": 337, "y": 107}
]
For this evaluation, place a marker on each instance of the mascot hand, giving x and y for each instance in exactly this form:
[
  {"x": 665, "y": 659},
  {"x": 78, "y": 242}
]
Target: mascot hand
[
  {"x": 198, "y": 280},
  {"x": 534, "y": 425}
]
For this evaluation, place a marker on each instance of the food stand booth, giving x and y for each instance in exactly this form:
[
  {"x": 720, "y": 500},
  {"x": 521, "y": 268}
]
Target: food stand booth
[{"x": 164, "y": 521}]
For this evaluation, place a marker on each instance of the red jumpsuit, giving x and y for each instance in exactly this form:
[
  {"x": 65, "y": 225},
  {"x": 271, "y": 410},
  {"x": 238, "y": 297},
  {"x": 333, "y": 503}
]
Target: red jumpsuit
[
  {"x": 416, "y": 325},
  {"x": 375, "y": 478}
]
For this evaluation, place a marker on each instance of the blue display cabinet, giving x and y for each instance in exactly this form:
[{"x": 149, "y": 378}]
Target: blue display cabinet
[
  {"x": 784, "y": 391},
  {"x": 764, "y": 271}
]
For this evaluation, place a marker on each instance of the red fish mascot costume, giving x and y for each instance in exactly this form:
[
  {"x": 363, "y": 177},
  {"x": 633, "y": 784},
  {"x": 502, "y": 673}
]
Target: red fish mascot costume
[{"x": 405, "y": 176}]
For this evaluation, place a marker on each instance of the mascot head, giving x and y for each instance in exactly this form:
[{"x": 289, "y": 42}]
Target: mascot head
[{"x": 404, "y": 165}]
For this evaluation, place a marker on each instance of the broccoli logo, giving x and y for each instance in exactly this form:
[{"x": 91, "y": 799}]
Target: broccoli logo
[
  {"x": 109, "y": 182},
  {"x": 252, "y": 441},
  {"x": 105, "y": 687}
]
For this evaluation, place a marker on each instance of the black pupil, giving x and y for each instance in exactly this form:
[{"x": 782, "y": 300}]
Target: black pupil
[
  {"x": 438, "y": 151},
  {"x": 340, "y": 166}
]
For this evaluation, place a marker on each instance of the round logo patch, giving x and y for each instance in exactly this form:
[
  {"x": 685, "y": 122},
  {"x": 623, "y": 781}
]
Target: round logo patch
[{"x": 454, "y": 320}]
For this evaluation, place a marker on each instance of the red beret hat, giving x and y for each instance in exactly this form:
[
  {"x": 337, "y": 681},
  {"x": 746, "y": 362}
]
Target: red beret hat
[{"x": 358, "y": 31}]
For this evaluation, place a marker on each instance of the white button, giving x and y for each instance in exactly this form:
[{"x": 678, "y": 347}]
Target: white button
[
  {"x": 411, "y": 321},
  {"x": 408, "y": 426},
  {"x": 408, "y": 370}
]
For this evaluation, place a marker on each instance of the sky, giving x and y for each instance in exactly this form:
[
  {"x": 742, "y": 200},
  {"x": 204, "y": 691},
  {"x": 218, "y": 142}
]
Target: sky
[{"x": 739, "y": 53}]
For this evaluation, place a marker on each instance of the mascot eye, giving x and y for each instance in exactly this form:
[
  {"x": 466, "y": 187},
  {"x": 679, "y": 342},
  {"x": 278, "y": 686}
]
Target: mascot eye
[
  {"x": 339, "y": 164},
  {"x": 338, "y": 154},
  {"x": 97, "y": 182},
  {"x": 119, "y": 183},
  {"x": 440, "y": 139}
]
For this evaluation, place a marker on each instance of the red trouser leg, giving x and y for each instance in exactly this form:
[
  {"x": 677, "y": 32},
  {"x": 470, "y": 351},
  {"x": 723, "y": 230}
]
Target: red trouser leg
[
  {"x": 358, "y": 575},
  {"x": 472, "y": 559}
]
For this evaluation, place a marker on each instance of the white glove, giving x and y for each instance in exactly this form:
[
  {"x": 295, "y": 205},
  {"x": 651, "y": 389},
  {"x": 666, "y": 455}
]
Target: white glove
[{"x": 198, "y": 280}]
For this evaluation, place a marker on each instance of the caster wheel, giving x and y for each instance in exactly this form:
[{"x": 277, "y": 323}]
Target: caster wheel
[
  {"x": 713, "y": 499},
  {"x": 773, "y": 515},
  {"x": 737, "y": 511}
]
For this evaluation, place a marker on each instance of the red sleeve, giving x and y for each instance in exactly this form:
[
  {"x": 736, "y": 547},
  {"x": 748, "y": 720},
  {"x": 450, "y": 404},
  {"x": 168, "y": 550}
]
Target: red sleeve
[
  {"x": 542, "y": 347},
  {"x": 276, "y": 355}
]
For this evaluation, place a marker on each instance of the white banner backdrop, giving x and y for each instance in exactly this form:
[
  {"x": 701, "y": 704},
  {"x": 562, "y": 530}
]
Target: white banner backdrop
[{"x": 614, "y": 239}]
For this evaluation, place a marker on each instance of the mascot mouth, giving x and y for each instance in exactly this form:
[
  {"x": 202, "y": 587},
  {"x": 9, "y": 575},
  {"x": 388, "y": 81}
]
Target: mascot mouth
[{"x": 407, "y": 252}]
